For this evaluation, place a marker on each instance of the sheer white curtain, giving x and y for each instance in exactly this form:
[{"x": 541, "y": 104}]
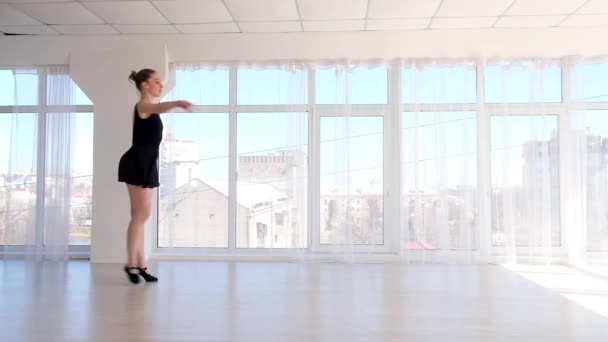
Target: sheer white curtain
[
  {"x": 498, "y": 160},
  {"x": 522, "y": 100},
  {"x": 350, "y": 114},
  {"x": 272, "y": 156},
  {"x": 587, "y": 160},
  {"x": 59, "y": 158},
  {"x": 250, "y": 120},
  {"x": 38, "y": 181},
  {"x": 20, "y": 164},
  {"x": 193, "y": 194},
  {"x": 439, "y": 164}
]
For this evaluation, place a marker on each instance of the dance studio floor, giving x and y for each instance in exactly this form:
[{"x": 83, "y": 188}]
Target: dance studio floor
[{"x": 277, "y": 301}]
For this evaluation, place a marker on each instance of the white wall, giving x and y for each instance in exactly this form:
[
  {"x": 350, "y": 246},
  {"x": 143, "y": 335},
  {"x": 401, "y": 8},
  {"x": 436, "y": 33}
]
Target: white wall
[{"x": 101, "y": 65}]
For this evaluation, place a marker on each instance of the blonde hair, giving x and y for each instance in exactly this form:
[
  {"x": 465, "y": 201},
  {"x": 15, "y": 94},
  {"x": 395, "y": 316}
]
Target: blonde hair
[{"x": 138, "y": 77}]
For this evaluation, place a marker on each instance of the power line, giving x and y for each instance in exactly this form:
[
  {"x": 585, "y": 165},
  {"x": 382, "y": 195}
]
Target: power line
[
  {"x": 279, "y": 148},
  {"x": 284, "y": 179}
]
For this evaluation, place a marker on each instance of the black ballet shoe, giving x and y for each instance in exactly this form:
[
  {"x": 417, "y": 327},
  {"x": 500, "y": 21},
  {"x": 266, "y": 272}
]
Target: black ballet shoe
[
  {"x": 147, "y": 276},
  {"x": 133, "y": 277}
]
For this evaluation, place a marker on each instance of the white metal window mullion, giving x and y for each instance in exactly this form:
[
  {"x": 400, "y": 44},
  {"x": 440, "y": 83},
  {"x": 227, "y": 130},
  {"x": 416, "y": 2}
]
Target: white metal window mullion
[
  {"x": 314, "y": 199},
  {"x": 439, "y": 107},
  {"x": 364, "y": 110},
  {"x": 588, "y": 106},
  {"x": 392, "y": 162},
  {"x": 20, "y": 109},
  {"x": 271, "y": 108},
  {"x": 484, "y": 169},
  {"x": 517, "y": 109},
  {"x": 41, "y": 159},
  {"x": 232, "y": 172},
  {"x": 567, "y": 231},
  {"x": 47, "y": 108},
  {"x": 210, "y": 108}
]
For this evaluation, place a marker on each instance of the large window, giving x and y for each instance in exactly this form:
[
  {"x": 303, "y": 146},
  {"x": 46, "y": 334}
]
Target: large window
[
  {"x": 439, "y": 175},
  {"x": 265, "y": 204},
  {"x": 445, "y": 158},
  {"x": 351, "y": 85},
  {"x": 351, "y": 179},
  {"x": 18, "y": 175},
  {"x": 19, "y": 87},
  {"x": 439, "y": 83},
  {"x": 589, "y": 149},
  {"x": 439, "y": 164},
  {"x": 80, "y": 174},
  {"x": 46, "y": 159},
  {"x": 193, "y": 196},
  {"x": 271, "y": 86},
  {"x": 525, "y": 180},
  {"x": 591, "y": 141},
  {"x": 272, "y": 160},
  {"x": 523, "y": 82}
]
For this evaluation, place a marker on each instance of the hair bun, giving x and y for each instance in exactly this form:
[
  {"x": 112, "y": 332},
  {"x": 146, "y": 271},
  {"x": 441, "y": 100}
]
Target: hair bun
[{"x": 133, "y": 75}]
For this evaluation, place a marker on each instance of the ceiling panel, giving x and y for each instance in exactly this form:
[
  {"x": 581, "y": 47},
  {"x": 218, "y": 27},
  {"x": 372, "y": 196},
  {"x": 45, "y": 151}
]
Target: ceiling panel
[
  {"x": 530, "y": 21},
  {"x": 237, "y": 16},
  {"x": 85, "y": 29},
  {"x": 126, "y": 12},
  {"x": 262, "y": 10},
  {"x": 586, "y": 20},
  {"x": 397, "y": 24},
  {"x": 12, "y": 16},
  {"x": 31, "y": 1},
  {"x": 194, "y": 11},
  {"x": 66, "y": 13},
  {"x": 285, "y": 26},
  {"x": 332, "y": 9},
  {"x": 472, "y": 8},
  {"x": 145, "y": 29},
  {"x": 382, "y": 9},
  {"x": 334, "y": 25},
  {"x": 28, "y": 29},
  {"x": 463, "y": 23},
  {"x": 594, "y": 7},
  {"x": 208, "y": 28},
  {"x": 544, "y": 7}
]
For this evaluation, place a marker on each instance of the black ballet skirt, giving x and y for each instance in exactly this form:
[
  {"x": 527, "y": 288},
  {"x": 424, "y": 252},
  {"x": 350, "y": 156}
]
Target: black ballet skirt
[{"x": 139, "y": 165}]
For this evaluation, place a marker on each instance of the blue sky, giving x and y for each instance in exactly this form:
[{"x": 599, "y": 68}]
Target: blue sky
[{"x": 18, "y": 132}]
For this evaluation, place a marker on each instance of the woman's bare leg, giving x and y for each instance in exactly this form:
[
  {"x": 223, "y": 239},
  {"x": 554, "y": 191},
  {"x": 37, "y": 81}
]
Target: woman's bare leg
[{"x": 141, "y": 206}]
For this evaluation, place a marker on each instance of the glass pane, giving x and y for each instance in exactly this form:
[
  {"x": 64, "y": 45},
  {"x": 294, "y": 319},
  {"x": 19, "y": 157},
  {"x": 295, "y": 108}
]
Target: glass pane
[
  {"x": 589, "y": 82},
  {"x": 352, "y": 196},
  {"x": 439, "y": 84},
  {"x": 519, "y": 82},
  {"x": 18, "y": 155},
  {"x": 72, "y": 94},
  {"x": 439, "y": 175},
  {"x": 201, "y": 86},
  {"x": 193, "y": 202},
  {"x": 69, "y": 158},
  {"x": 363, "y": 85},
  {"x": 271, "y": 86},
  {"x": 272, "y": 185},
  {"x": 592, "y": 133},
  {"x": 82, "y": 180},
  {"x": 18, "y": 89},
  {"x": 525, "y": 180}
]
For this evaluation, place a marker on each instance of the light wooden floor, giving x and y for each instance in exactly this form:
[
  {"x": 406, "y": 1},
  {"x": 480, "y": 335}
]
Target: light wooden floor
[{"x": 256, "y": 301}]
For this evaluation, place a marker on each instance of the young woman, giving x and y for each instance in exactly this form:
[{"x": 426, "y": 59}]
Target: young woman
[{"x": 138, "y": 167}]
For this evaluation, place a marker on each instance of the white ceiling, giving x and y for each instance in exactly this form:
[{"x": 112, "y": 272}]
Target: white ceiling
[{"x": 44, "y": 17}]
